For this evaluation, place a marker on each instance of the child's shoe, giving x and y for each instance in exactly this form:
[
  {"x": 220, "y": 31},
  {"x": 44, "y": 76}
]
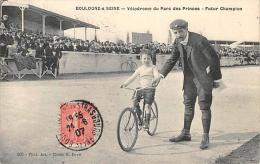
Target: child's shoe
[{"x": 147, "y": 121}]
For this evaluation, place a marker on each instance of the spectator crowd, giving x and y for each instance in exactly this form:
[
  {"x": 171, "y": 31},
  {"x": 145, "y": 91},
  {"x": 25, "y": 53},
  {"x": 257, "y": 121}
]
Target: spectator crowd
[
  {"x": 49, "y": 48},
  {"x": 244, "y": 55},
  {"x": 30, "y": 40},
  {"x": 232, "y": 52}
]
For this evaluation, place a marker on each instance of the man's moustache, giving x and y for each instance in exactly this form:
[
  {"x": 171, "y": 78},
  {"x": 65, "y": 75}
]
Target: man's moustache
[{"x": 179, "y": 39}]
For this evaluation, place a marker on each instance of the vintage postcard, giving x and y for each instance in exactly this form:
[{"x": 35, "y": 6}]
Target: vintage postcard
[{"x": 129, "y": 81}]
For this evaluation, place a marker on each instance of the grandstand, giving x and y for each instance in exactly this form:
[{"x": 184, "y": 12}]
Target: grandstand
[{"x": 34, "y": 19}]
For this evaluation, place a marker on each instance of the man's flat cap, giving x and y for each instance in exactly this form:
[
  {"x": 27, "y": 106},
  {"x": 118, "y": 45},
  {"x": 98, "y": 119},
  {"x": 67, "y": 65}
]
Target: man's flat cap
[{"x": 179, "y": 24}]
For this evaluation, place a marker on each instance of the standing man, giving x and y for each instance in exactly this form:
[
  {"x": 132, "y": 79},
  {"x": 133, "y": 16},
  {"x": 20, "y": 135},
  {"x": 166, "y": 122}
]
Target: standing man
[
  {"x": 57, "y": 56},
  {"x": 3, "y": 43},
  {"x": 201, "y": 69}
]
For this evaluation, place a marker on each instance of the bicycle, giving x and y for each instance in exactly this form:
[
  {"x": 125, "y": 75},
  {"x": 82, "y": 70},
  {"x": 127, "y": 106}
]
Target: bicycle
[
  {"x": 131, "y": 121},
  {"x": 129, "y": 65}
]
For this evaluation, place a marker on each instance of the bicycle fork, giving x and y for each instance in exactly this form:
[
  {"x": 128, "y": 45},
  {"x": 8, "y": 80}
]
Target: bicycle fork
[{"x": 138, "y": 112}]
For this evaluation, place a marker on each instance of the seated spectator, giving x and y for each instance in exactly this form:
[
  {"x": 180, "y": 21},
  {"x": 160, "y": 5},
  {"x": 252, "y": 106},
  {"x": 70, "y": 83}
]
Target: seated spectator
[
  {"x": 136, "y": 49},
  {"x": 12, "y": 50},
  {"x": 117, "y": 49},
  {"x": 79, "y": 46},
  {"x": 109, "y": 48},
  {"x": 68, "y": 46},
  {"x": 102, "y": 48},
  {"x": 23, "y": 59},
  {"x": 114, "y": 49},
  {"x": 31, "y": 43},
  {"x": 62, "y": 45},
  {"x": 6, "y": 22},
  {"x": 22, "y": 50},
  {"x": 86, "y": 46},
  {"x": 97, "y": 47}
]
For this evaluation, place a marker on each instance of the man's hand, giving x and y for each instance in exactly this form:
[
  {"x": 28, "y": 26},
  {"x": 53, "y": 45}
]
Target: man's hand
[
  {"x": 219, "y": 84},
  {"x": 156, "y": 81},
  {"x": 208, "y": 69},
  {"x": 216, "y": 84}
]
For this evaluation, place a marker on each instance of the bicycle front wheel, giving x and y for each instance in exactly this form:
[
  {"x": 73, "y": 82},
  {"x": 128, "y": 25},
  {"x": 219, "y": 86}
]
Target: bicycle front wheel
[
  {"x": 127, "y": 129},
  {"x": 153, "y": 119}
]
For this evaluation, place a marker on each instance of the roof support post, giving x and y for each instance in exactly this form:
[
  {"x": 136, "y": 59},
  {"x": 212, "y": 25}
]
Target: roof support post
[
  {"x": 22, "y": 10},
  {"x": 215, "y": 45},
  {"x": 85, "y": 33},
  {"x": 43, "y": 25},
  {"x": 61, "y": 31},
  {"x": 74, "y": 25},
  {"x": 1, "y": 9},
  {"x": 95, "y": 35}
]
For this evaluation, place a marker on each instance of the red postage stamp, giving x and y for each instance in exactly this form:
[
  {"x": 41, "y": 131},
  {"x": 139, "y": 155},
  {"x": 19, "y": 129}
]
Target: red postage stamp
[{"x": 81, "y": 125}]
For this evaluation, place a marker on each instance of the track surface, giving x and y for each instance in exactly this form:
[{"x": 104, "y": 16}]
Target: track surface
[{"x": 29, "y": 112}]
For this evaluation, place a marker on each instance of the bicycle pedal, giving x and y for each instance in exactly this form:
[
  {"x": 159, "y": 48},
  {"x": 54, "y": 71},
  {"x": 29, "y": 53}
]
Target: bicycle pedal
[{"x": 146, "y": 128}]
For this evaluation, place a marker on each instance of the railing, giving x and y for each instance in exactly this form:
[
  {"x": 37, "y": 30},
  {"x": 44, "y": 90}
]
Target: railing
[{"x": 87, "y": 62}]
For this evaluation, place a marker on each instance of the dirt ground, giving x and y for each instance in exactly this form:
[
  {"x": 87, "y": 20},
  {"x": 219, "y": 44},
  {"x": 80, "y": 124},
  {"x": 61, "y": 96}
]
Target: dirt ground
[
  {"x": 29, "y": 111},
  {"x": 247, "y": 153}
]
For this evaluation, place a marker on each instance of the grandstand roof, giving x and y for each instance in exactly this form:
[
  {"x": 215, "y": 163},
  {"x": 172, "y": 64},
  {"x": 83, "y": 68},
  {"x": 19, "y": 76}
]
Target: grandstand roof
[{"x": 33, "y": 13}]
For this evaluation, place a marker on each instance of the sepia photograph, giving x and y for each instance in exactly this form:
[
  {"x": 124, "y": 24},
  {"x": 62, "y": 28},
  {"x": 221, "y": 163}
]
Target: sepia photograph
[{"x": 129, "y": 81}]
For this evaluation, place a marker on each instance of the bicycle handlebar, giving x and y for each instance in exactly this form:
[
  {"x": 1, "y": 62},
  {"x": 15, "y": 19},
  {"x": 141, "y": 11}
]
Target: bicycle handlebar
[{"x": 136, "y": 89}]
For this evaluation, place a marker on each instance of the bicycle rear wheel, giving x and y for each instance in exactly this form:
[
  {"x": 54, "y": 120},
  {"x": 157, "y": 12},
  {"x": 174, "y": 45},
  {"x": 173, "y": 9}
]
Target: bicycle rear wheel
[
  {"x": 153, "y": 120},
  {"x": 133, "y": 66},
  {"x": 125, "y": 67},
  {"x": 127, "y": 129}
]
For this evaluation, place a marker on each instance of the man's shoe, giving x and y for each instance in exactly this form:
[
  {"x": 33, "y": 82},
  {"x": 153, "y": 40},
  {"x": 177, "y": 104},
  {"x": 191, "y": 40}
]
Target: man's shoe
[
  {"x": 147, "y": 121},
  {"x": 184, "y": 136},
  {"x": 204, "y": 142}
]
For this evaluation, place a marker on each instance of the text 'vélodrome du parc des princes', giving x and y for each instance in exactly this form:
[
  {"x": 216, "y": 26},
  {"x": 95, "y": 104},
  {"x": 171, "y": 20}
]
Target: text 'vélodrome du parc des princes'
[{"x": 92, "y": 8}]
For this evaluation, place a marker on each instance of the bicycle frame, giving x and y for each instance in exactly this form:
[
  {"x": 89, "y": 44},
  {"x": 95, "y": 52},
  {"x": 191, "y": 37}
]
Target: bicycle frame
[
  {"x": 134, "y": 107},
  {"x": 131, "y": 121}
]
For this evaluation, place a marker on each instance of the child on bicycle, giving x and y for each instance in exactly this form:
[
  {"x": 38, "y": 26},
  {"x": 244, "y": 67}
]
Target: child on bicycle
[{"x": 146, "y": 73}]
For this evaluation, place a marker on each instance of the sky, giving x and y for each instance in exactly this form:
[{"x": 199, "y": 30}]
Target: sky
[{"x": 238, "y": 25}]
